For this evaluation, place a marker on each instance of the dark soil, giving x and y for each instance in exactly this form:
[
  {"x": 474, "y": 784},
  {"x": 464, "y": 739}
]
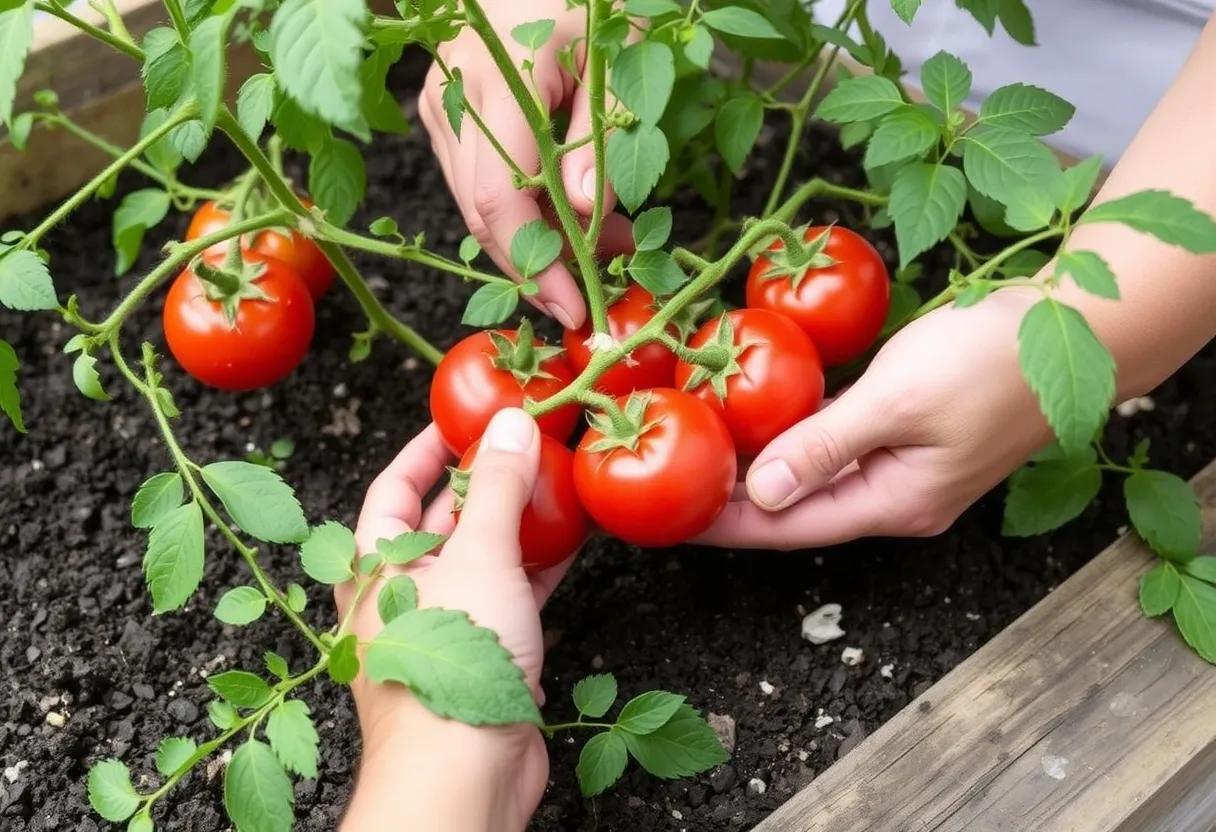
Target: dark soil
[{"x": 720, "y": 626}]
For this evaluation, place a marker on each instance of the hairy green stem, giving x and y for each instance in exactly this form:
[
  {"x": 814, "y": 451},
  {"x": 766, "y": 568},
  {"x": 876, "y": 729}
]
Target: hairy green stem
[
  {"x": 178, "y": 16},
  {"x": 404, "y": 251},
  {"x": 597, "y": 68},
  {"x": 94, "y": 31}
]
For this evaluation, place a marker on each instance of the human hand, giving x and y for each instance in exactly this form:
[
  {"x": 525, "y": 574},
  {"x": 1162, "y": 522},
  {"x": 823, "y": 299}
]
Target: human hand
[
  {"x": 464, "y": 776},
  {"x": 478, "y": 177},
  {"x": 940, "y": 417}
]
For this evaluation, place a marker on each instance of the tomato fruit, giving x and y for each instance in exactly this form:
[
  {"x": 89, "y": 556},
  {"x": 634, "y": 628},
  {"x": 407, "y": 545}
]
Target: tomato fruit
[
  {"x": 666, "y": 483},
  {"x": 491, "y": 370},
  {"x": 651, "y": 365},
  {"x": 263, "y": 343},
  {"x": 553, "y": 524},
  {"x": 841, "y": 305},
  {"x": 288, "y": 245},
  {"x": 770, "y": 379}
]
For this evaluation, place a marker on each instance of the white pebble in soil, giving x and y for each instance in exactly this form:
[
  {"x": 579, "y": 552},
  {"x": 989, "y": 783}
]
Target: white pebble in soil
[
  {"x": 1139, "y": 404},
  {"x": 756, "y": 786},
  {"x": 14, "y": 771},
  {"x": 823, "y": 625},
  {"x": 886, "y": 671},
  {"x": 766, "y": 687},
  {"x": 852, "y": 656},
  {"x": 823, "y": 720}
]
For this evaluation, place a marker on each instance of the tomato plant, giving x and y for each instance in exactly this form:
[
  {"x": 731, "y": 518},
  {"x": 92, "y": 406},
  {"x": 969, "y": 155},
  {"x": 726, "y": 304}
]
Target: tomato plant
[
  {"x": 761, "y": 372},
  {"x": 651, "y": 365},
  {"x": 659, "y": 470},
  {"x": 244, "y": 336}
]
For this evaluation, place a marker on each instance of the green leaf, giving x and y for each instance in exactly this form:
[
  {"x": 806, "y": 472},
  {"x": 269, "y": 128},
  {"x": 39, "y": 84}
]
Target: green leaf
[
  {"x": 173, "y": 563},
  {"x": 240, "y": 606},
  {"x": 594, "y": 695},
  {"x": 1195, "y": 615},
  {"x": 1000, "y": 162},
  {"x": 337, "y": 179},
  {"x": 162, "y": 154},
  {"x": 651, "y": 8},
  {"x": 258, "y": 500},
  {"x": 208, "y": 69},
  {"x": 642, "y": 78},
  {"x": 316, "y": 47},
  {"x": 491, "y": 304},
  {"x": 172, "y": 753},
  {"x": 1203, "y": 568},
  {"x": 1165, "y": 511},
  {"x": 16, "y": 36},
  {"x": 1015, "y": 17},
  {"x": 648, "y": 712},
  {"x": 1089, "y": 271},
  {"x": 87, "y": 379},
  {"x": 745, "y": 23},
  {"x": 535, "y": 34},
  {"x": 139, "y": 211},
  {"x": 297, "y": 600},
  {"x": 860, "y": 99},
  {"x": 189, "y": 140},
  {"x": 166, "y": 69},
  {"x": 652, "y": 228},
  {"x": 1169, "y": 218},
  {"x": 299, "y": 130},
  {"x": 601, "y": 763},
  {"x": 110, "y": 791},
  {"x": 904, "y": 134},
  {"x": 10, "y": 396},
  {"x": 255, "y": 103},
  {"x": 257, "y": 792},
  {"x": 1029, "y": 209},
  {"x": 636, "y": 159},
  {"x": 156, "y": 498},
  {"x": 684, "y": 746},
  {"x": 736, "y": 127},
  {"x": 906, "y": 9},
  {"x": 455, "y": 668},
  {"x": 240, "y": 688},
  {"x": 25, "y": 282},
  {"x": 398, "y": 596},
  {"x": 293, "y": 737},
  {"x": 926, "y": 202},
  {"x": 1159, "y": 588},
  {"x": 19, "y": 131},
  {"x": 141, "y": 823},
  {"x": 1068, "y": 369},
  {"x": 276, "y": 664},
  {"x": 657, "y": 272},
  {"x": 469, "y": 248},
  {"x": 946, "y": 81},
  {"x": 1074, "y": 187},
  {"x": 407, "y": 547},
  {"x": 328, "y": 553},
  {"x": 453, "y": 101},
  {"x": 1026, "y": 108},
  {"x": 1045, "y": 495},
  {"x": 699, "y": 48},
  {"x": 380, "y": 107},
  {"x": 534, "y": 247},
  {"x": 221, "y": 714},
  {"x": 344, "y": 660}
]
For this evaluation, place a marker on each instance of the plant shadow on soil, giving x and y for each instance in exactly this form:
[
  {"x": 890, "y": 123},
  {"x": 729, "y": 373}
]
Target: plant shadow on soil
[{"x": 81, "y": 641}]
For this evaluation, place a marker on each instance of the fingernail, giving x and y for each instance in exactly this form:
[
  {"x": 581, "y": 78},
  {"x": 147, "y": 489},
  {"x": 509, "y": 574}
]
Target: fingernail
[
  {"x": 589, "y": 184},
  {"x": 511, "y": 431},
  {"x": 772, "y": 483},
  {"x": 560, "y": 315}
]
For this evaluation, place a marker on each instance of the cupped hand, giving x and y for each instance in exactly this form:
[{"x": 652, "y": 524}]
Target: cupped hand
[
  {"x": 477, "y": 175},
  {"x": 477, "y": 571},
  {"x": 941, "y": 416}
]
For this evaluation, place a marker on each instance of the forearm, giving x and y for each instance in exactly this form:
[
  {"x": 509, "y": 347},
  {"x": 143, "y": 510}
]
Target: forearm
[{"x": 1168, "y": 306}]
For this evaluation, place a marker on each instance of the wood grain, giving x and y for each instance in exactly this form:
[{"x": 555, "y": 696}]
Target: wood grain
[{"x": 1081, "y": 716}]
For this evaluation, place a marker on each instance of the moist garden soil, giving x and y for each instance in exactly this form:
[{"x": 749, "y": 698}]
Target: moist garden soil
[{"x": 88, "y": 672}]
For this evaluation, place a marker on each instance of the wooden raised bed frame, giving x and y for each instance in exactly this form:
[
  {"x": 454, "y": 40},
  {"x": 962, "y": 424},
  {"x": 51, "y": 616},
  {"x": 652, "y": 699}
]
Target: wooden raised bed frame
[{"x": 1081, "y": 716}]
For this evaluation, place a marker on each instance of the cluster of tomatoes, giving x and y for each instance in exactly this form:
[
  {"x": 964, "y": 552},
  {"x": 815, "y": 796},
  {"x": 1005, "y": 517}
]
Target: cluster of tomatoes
[
  {"x": 660, "y": 468},
  {"x": 257, "y": 330}
]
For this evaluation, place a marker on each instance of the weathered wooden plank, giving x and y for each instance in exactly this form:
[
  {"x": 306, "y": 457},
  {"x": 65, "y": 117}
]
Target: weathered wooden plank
[{"x": 1081, "y": 716}]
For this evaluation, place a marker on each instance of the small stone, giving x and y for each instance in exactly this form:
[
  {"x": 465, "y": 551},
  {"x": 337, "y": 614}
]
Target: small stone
[
  {"x": 118, "y": 701},
  {"x": 972, "y": 616},
  {"x": 32, "y": 653},
  {"x": 804, "y": 755},
  {"x": 597, "y": 662},
  {"x": 675, "y": 813},
  {"x": 56, "y": 719},
  {"x": 823, "y": 720},
  {"x": 852, "y": 656},
  {"x": 886, "y": 671},
  {"x": 722, "y": 779},
  {"x": 635, "y": 802},
  {"x": 183, "y": 710},
  {"x": 766, "y": 687},
  {"x": 143, "y": 691},
  {"x": 697, "y": 795},
  {"x": 14, "y": 771},
  {"x": 723, "y": 726},
  {"x": 1135, "y": 405},
  {"x": 756, "y": 786},
  {"x": 823, "y": 624},
  {"x": 48, "y": 702}
]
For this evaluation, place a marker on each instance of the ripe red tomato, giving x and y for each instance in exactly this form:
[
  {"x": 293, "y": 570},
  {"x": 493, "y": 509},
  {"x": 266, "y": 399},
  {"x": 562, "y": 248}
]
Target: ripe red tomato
[
  {"x": 266, "y": 342},
  {"x": 293, "y": 248},
  {"x": 554, "y": 523},
  {"x": 841, "y": 306},
  {"x": 651, "y": 365},
  {"x": 774, "y": 379},
  {"x": 488, "y": 371},
  {"x": 672, "y": 484}
]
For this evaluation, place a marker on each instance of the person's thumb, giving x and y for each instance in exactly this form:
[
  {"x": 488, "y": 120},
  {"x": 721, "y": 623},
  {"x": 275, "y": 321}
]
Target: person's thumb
[
  {"x": 504, "y": 474},
  {"x": 578, "y": 166},
  {"x": 807, "y": 456}
]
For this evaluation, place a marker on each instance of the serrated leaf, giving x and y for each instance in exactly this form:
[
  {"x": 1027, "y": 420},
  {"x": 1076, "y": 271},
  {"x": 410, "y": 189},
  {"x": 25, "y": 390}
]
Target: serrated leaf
[
  {"x": 189, "y": 140},
  {"x": 1046, "y": 495},
  {"x": 87, "y": 379},
  {"x": 636, "y": 158},
  {"x": 904, "y": 134},
  {"x": 276, "y": 664},
  {"x": 534, "y": 34},
  {"x": 601, "y": 763},
  {"x": 453, "y": 101},
  {"x": 491, "y": 304},
  {"x": 906, "y": 9},
  {"x": 594, "y": 695},
  {"x": 110, "y": 791},
  {"x": 742, "y": 22},
  {"x": 926, "y": 202},
  {"x": 642, "y": 78},
  {"x": 337, "y": 179},
  {"x": 860, "y": 99},
  {"x": 141, "y": 823},
  {"x": 344, "y": 659},
  {"x": 398, "y": 596},
  {"x": 736, "y": 128},
  {"x": 946, "y": 81},
  {"x": 255, "y": 103},
  {"x": 1072, "y": 190},
  {"x": 407, "y": 547},
  {"x": 208, "y": 68},
  {"x": 10, "y": 396},
  {"x": 1089, "y": 271},
  {"x": 328, "y": 553},
  {"x": 1001, "y": 162},
  {"x": 222, "y": 715},
  {"x": 1195, "y": 615},
  {"x": 1026, "y": 108},
  {"x": 299, "y": 130},
  {"x": 156, "y": 498},
  {"x": 684, "y": 746},
  {"x": 316, "y": 47},
  {"x": 1169, "y": 218},
  {"x": 173, "y": 563},
  {"x": 455, "y": 668},
  {"x": 166, "y": 69},
  {"x": 1159, "y": 589},
  {"x": 240, "y": 606},
  {"x": 1069, "y": 370},
  {"x": 380, "y": 107},
  {"x": 258, "y": 500},
  {"x": 25, "y": 282},
  {"x": 652, "y": 228},
  {"x": 1015, "y": 17},
  {"x": 172, "y": 754},
  {"x": 139, "y": 211},
  {"x": 257, "y": 792},
  {"x": 161, "y": 154},
  {"x": 534, "y": 247},
  {"x": 16, "y": 36},
  {"x": 648, "y": 712},
  {"x": 293, "y": 737},
  {"x": 240, "y": 688},
  {"x": 1165, "y": 512},
  {"x": 657, "y": 272}
]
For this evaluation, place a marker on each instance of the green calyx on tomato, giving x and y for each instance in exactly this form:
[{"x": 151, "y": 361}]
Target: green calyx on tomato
[
  {"x": 522, "y": 358},
  {"x": 717, "y": 361},
  {"x": 796, "y": 265},
  {"x": 458, "y": 481},
  {"x": 621, "y": 427},
  {"x": 688, "y": 320},
  {"x": 227, "y": 285}
]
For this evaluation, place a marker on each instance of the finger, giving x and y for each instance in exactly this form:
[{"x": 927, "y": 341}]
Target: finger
[
  {"x": 616, "y": 236},
  {"x": 438, "y": 517},
  {"x": 578, "y": 166},
  {"x": 502, "y": 209},
  {"x": 546, "y": 581},
  {"x": 393, "y": 504},
  {"x": 500, "y": 486},
  {"x": 810, "y": 454}
]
